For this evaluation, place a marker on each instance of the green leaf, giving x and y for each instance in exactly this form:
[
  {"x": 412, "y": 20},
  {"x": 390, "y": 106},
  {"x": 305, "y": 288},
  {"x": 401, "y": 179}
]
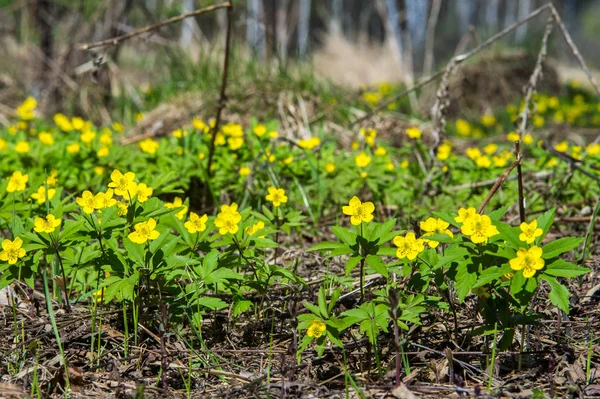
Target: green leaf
[
  {"x": 510, "y": 234},
  {"x": 559, "y": 294},
  {"x": 545, "y": 221},
  {"x": 352, "y": 263},
  {"x": 328, "y": 246},
  {"x": 210, "y": 303},
  {"x": 346, "y": 236},
  {"x": 378, "y": 265},
  {"x": 561, "y": 268},
  {"x": 466, "y": 276},
  {"x": 560, "y": 246}
]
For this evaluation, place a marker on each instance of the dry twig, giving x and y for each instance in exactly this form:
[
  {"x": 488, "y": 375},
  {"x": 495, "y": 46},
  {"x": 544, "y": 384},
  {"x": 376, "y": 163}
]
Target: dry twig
[{"x": 116, "y": 40}]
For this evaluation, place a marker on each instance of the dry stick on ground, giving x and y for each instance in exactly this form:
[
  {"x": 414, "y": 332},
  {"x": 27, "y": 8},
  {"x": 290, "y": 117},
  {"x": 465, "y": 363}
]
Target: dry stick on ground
[
  {"x": 458, "y": 59},
  {"x": 116, "y": 40},
  {"x": 520, "y": 182}
]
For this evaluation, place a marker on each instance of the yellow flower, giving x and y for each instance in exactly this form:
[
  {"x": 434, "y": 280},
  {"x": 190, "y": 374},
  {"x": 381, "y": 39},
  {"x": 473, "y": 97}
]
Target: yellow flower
[
  {"x": 409, "y": 246},
  {"x": 26, "y": 110},
  {"x": 359, "y": 212},
  {"x": 77, "y": 123},
  {"x": 528, "y": 139},
  {"x": 17, "y": 182},
  {"x": 87, "y": 201},
  {"x": 363, "y": 175},
  {"x": 490, "y": 148},
  {"x": 529, "y": 232},
  {"x": 404, "y": 164},
  {"x": 513, "y": 136},
  {"x": 47, "y": 225},
  {"x": 40, "y": 194},
  {"x": 123, "y": 208},
  {"x": 143, "y": 192},
  {"x": 256, "y": 227},
  {"x": 103, "y": 151},
  {"x": 22, "y": 147},
  {"x": 488, "y": 120},
  {"x": 260, "y": 130},
  {"x": 106, "y": 138},
  {"x": 12, "y": 251},
  {"x": 380, "y": 151},
  {"x": 593, "y": 149},
  {"x": 87, "y": 136},
  {"x": 362, "y": 160},
  {"x": 63, "y": 122},
  {"x": 435, "y": 226},
  {"x": 235, "y": 143},
  {"x": 390, "y": 165},
  {"x": 288, "y": 160},
  {"x": 244, "y": 171},
  {"x": 196, "y": 223},
  {"x": 200, "y": 125},
  {"x": 273, "y": 134},
  {"x": 144, "y": 231},
  {"x": 276, "y": 196},
  {"x": 444, "y": 150},
  {"x": 316, "y": 328},
  {"x": 227, "y": 220},
  {"x": 479, "y": 228},
  {"x": 369, "y": 135},
  {"x": 538, "y": 121},
  {"x": 463, "y": 128},
  {"x": 413, "y": 133},
  {"x": 117, "y": 127},
  {"x": 104, "y": 200},
  {"x": 483, "y": 161},
  {"x": 177, "y": 203},
  {"x": 529, "y": 260},
  {"x": 52, "y": 179},
  {"x": 499, "y": 161},
  {"x": 149, "y": 146},
  {"x": 473, "y": 153},
  {"x": 139, "y": 116},
  {"x": 563, "y": 146},
  {"x": 123, "y": 184},
  {"x": 179, "y": 133},
  {"x": 3, "y": 145},
  {"x": 329, "y": 167},
  {"x": 99, "y": 170},
  {"x": 46, "y": 138},
  {"x": 310, "y": 143},
  {"x": 372, "y": 97},
  {"x": 464, "y": 214},
  {"x": 355, "y": 145},
  {"x": 73, "y": 148}
]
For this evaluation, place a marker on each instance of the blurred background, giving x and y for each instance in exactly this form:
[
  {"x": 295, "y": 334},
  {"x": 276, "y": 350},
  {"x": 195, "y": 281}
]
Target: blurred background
[{"x": 323, "y": 49}]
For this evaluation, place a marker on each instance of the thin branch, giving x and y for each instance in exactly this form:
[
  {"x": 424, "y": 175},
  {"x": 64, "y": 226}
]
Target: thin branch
[
  {"x": 116, "y": 40},
  {"x": 222, "y": 96},
  {"x": 496, "y": 186},
  {"x": 458, "y": 60},
  {"x": 573, "y": 48}
]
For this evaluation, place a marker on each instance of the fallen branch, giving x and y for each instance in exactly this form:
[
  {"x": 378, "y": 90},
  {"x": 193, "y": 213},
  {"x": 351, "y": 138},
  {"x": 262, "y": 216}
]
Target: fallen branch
[{"x": 116, "y": 40}]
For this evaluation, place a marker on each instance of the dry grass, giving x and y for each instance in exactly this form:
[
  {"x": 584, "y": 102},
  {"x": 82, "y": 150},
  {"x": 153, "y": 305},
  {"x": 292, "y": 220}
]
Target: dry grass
[{"x": 357, "y": 64}]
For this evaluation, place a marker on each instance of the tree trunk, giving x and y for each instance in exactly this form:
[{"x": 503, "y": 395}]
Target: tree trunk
[
  {"x": 524, "y": 9},
  {"x": 255, "y": 32},
  {"x": 281, "y": 31},
  {"x": 303, "y": 26}
]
